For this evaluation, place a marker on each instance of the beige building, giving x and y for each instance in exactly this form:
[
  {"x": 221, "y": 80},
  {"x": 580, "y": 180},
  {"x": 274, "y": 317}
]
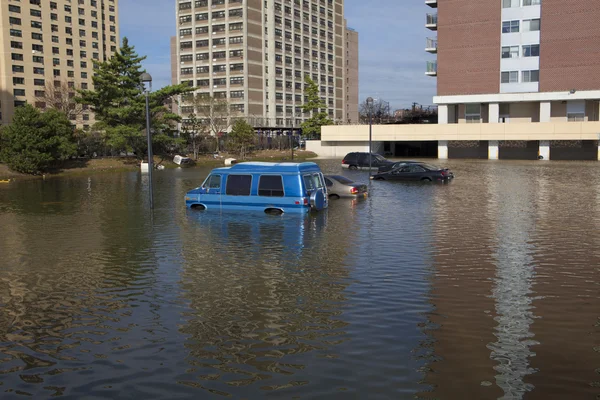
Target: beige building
[
  {"x": 51, "y": 46},
  {"x": 351, "y": 116},
  {"x": 255, "y": 54}
]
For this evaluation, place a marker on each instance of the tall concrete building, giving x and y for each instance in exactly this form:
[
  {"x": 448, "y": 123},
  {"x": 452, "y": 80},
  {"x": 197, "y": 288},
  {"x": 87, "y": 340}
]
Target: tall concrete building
[
  {"x": 516, "y": 60},
  {"x": 52, "y": 44},
  {"x": 255, "y": 54},
  {"x": 351, "y": 76}
]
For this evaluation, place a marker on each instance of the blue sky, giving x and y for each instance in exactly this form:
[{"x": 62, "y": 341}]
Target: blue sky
[{"x": 391, "y": 50}]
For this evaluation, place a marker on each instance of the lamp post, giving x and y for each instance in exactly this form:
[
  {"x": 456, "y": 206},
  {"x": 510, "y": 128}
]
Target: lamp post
[
  {"x": 146, "y": 78},
  {"x": 369, "y": 110}
]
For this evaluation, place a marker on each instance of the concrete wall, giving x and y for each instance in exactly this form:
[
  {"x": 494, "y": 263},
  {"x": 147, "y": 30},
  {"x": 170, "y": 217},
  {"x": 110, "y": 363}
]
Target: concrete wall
[
  {"x": 340, "y": 149},
  {"x": 494, "y": 131},
  {"x": 524, "y": 112}
]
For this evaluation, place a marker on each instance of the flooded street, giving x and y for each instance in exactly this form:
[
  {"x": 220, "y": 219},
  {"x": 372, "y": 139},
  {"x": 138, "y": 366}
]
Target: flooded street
[{"x": 485, "y": 288}]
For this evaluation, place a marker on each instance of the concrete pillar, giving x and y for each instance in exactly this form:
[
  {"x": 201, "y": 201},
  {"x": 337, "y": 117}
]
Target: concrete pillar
[
  {"x": 442, "y": 114},
  {"x": 443, "y": 149},
  {"x": 494, "y": 113},
  {"x": 545, "y": 111},
  {"x": 544, "y": 152},
  {"x": 493, "y": 152}
]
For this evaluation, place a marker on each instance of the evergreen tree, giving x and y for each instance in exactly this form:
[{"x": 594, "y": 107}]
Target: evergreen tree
[
  {"x": 35, "y": 141},
  {"x": 119, "y": 103},
  {"x": 241, "y": 138},
  {"x": 315, "y": 105}
]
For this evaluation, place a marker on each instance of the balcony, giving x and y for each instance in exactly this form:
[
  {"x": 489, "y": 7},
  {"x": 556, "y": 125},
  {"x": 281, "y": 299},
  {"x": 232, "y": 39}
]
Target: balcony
[
  {"x": 431, "y": 3},
  {"x": 431, "y": 46},
  {"x": 431, "y": 22},
  {"x": 431, "y": 68}
]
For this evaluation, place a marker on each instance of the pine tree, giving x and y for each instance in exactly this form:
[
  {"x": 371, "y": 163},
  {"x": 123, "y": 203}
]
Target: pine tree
[
  {"x": 119, "y": 104},
  {"x": 311, "y": 128}
]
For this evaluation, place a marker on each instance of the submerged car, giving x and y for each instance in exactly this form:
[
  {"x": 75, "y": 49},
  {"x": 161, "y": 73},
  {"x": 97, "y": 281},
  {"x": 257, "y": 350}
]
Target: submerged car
[
  {"x": 394, "y": 165},
  {"x": 340, "y": 186},
  {"x": 416, "y": 172},
  {"x": 358, "y": 160}
]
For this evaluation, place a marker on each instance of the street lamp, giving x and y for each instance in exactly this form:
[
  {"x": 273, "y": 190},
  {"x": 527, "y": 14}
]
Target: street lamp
[
  {"x": 369, "y": 110},
  {"x": 146, "y": 78}
]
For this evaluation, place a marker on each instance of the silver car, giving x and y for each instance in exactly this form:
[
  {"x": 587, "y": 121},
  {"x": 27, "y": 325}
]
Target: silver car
[{"x": 340, "y": 186}]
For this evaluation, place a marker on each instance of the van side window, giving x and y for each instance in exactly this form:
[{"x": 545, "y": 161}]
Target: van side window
[
  {"x": 238, "y": 185},
  {"x": 213, "y": 182},
  {"x": 270, "y": 186}
]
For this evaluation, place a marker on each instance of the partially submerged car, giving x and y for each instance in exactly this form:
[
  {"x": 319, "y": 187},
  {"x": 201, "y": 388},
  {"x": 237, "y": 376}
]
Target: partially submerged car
[
  {"x": 340, "y": 186},
  {"x": 416, "y": 172}
]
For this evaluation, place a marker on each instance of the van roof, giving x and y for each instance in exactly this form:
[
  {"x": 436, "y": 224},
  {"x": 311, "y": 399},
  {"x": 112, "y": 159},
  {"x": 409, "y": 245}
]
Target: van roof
[{"x": 271, "y": 167}]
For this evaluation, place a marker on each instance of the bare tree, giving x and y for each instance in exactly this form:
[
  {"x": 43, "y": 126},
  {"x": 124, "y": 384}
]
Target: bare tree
[
  {"x": 61, "y": 97},
  {"x": 379, "y": 110},
  {"x": 215, "y": 113},
  {"x": 194, "y": 132}
]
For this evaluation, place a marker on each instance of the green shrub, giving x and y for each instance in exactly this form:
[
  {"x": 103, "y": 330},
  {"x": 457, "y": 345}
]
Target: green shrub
[{"x": 35, "y": 141}]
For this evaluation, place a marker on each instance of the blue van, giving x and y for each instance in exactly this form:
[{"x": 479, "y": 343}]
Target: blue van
[{"x": 273, "y": 188}]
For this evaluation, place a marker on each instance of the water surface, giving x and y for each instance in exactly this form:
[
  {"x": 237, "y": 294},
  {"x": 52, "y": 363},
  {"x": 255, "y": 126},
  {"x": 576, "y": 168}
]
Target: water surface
[{"x": 484, "y": 288}]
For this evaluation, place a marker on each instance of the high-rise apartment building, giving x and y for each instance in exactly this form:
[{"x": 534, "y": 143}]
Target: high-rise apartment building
[
  {"x": 351, "y": 66},
  {"x": 256, "y": 53},
  {"x": 47, "y": 44},
  {"x": 503, "y": 61}
]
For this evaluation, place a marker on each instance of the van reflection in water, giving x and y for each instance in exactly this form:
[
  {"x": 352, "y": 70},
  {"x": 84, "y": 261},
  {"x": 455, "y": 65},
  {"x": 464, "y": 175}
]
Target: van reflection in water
[{"x": 266, "y": 294}]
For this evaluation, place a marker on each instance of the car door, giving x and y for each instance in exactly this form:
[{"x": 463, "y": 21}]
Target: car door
[
  {"x": 363, "y": 161},
  {"x": 415, "y": 172},
  {"x": 213, "y": 185},
  {"x": 400, "y": 174}
]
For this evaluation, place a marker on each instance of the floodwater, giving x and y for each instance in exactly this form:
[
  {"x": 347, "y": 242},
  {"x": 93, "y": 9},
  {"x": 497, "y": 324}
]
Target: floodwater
[{"x": 484, "y": 288}]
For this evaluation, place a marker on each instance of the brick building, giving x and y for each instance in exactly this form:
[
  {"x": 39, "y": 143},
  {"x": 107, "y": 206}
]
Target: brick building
[{"x": 515, "y": 60}]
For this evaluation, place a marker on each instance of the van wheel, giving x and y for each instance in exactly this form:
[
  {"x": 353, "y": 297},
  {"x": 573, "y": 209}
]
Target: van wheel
[
  {"x": 198, "y": 207},
  {"x": 274, "y": 211},
  {"x": 353, "y": 168}
]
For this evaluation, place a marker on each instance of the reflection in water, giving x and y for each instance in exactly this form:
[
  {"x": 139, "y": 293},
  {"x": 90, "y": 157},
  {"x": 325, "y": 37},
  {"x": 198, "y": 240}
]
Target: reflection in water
[
  {"x": 265, "y": 292},
  {"x": 484, "y": 288},
  {"x": 514, "y": 277}
]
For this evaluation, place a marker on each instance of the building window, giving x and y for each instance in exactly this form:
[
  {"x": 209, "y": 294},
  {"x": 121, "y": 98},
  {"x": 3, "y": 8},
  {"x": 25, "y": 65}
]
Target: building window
[
  {"x": 531, "y": 25},
  {"x": 473, "y": 113},
  {"x": 530, "y": 76},
  {"x": 510, "y": 26},
  {"x": 509, "y": 77},
  {"x": 531, "y": 50},
  {"x": 531, "y": 2},
  {"x": 576, "y": 111},
  {"x": 510, "y": 52}
]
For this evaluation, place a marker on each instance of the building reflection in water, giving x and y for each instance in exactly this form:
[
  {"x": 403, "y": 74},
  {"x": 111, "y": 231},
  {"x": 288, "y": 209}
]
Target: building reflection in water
[
  {"x": 515, "y": 221},
  {"x": 267, "y": 294},
  {"x": 462, "y": 323}
]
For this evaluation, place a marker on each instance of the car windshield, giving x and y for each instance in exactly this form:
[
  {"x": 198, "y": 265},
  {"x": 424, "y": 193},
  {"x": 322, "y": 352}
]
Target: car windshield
[
  {"x": 378, "y": 157},
  {"x": 431, "y": 167},
  {"x": 342, "y": 179}
]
